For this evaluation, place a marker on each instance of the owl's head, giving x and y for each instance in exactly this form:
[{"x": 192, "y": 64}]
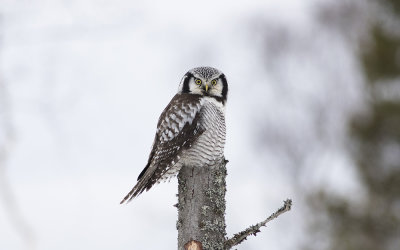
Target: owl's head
[{"x": 205, "y": 81}]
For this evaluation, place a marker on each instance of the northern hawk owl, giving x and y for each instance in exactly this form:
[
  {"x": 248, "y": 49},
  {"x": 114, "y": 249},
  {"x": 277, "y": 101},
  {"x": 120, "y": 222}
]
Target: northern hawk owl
[{"x": 190, "y": 130}]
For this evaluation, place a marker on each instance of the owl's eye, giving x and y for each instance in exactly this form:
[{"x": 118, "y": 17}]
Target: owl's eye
[
  {"x": 213, "y": 82},
  {"x": 198, "y": 81}
]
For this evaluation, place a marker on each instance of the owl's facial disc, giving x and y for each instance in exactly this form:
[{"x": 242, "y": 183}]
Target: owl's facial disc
[
  {"x": 205, "y": 81},
  {"x": 206, "y": 87}
]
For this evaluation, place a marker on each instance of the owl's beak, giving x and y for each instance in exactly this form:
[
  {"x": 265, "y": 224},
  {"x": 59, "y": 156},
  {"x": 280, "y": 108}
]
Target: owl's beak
[{"x": 206, "y": 87}]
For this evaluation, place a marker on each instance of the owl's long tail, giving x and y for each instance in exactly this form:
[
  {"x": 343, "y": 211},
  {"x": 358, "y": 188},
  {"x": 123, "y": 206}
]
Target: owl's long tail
[
  {"x": 145, "y": 182},
  {"x": 136, "y": 190}
]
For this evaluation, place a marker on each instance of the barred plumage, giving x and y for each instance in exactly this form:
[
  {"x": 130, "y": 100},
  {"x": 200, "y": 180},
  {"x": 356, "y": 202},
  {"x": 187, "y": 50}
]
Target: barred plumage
[{"x": 190, "y": 131}]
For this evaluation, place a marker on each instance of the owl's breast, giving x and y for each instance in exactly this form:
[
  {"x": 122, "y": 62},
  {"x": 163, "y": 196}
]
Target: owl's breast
[{"x": 209, "y": 147}]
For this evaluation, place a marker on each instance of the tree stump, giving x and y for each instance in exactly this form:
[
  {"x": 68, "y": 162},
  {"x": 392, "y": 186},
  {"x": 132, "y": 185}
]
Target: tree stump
[{"x": 201, "y": 207}]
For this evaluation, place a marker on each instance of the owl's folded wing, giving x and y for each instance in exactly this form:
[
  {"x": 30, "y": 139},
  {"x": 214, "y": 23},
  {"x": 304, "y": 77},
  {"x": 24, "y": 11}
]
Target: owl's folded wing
[{"x": 178, "y": 128}]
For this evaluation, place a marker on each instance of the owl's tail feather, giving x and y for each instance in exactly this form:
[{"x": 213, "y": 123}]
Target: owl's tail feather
[
  {"x": 144, "y": 183},
  {"x": 136, "y": 190},
  {"x": 132, "y": 194}
]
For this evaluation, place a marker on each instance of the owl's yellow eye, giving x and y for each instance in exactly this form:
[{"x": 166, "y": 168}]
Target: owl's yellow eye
[
  {"x": 213, "y": 82},
  {"x": 198, "y": 81}
]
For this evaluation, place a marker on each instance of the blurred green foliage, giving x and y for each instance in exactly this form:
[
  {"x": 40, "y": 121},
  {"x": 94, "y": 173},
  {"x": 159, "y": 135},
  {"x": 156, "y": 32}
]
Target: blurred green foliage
[
  {"x": 382, "y": 60},
  {"x": 375, "y": 223},
  {"x": 394, "y": 5}
]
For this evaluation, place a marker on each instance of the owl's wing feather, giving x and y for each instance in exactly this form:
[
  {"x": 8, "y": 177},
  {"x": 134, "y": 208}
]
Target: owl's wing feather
[{"x": 178, "y": 128}]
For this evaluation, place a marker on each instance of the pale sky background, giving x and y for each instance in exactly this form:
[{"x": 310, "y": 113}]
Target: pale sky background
[{"x": 86, "y": 81}]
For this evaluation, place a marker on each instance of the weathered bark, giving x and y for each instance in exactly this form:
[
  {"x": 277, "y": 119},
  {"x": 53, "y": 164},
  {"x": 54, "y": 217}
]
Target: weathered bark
[
  {"x": 201, "y": 207},
  {"x": 201, "y": 210}
]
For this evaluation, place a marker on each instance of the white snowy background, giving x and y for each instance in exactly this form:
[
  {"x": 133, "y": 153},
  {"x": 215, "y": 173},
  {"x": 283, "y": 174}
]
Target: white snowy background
[{"x": 84, "y": 83}]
